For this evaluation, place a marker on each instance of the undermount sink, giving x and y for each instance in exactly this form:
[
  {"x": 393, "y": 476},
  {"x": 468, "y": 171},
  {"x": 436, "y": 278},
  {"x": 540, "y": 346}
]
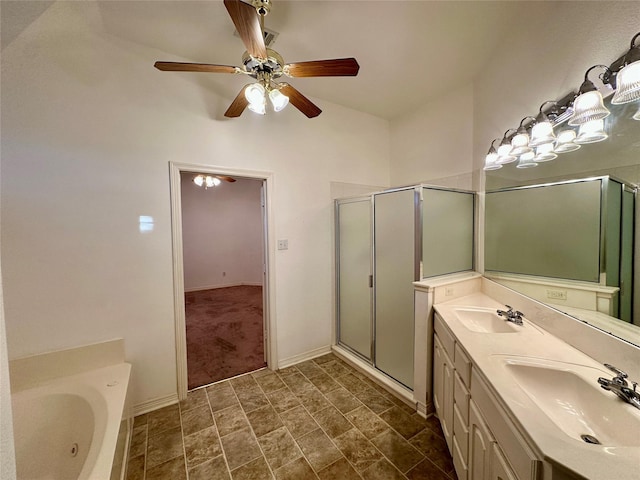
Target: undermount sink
[
  {"x": 484, "y": 320},
  {"x": 569, "y": 395}
]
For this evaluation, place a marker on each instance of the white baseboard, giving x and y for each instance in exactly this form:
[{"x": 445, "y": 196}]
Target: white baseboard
[
  {"x": 155, "y": 404},
  {"x": 224, "y": 285},
  {"x": 303, "y": 357}
]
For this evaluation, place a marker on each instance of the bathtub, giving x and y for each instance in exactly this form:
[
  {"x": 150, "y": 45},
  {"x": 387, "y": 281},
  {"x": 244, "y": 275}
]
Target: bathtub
[{"x": 73, "y": 427}]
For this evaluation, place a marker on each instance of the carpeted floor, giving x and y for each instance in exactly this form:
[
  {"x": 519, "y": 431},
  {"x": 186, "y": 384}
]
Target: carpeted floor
[{"x": 224, "y": 333}]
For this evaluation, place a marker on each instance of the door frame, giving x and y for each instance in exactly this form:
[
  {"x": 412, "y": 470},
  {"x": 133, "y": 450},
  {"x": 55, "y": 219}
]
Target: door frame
[{"x": 175, "y": 169}]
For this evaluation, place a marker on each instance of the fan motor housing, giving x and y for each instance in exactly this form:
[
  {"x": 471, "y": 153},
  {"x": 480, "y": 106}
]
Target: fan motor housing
[{"x": 272, "y": 65}]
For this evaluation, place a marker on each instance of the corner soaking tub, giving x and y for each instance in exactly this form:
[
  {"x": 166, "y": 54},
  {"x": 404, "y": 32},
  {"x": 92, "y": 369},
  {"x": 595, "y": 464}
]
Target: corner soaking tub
[{"x": 70, "y": 427}]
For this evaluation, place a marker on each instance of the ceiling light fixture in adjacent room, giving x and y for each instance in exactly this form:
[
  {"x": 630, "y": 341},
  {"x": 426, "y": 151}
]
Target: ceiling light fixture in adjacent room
[{"x": 206, "y": 180}]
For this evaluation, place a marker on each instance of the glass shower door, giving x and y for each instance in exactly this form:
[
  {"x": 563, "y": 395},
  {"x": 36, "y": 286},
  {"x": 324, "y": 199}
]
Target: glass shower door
[
  {"x": 396, "y": 268},
  {"x": 353, "y": 232}
]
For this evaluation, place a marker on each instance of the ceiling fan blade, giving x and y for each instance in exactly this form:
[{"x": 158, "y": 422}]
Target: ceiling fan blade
[
  {"x": 193, "y": 67},
  {"x": 238, "y": 105},
  {"x": 226, "y": 178},
  {"x": 299, "y": 101},
  {"x": 247, "y": 23},
  {"x": 339, "y": 67}
]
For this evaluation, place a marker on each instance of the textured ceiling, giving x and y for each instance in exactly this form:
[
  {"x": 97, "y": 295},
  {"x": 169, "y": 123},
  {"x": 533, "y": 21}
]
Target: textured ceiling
[{"x": 409, "y": 51}]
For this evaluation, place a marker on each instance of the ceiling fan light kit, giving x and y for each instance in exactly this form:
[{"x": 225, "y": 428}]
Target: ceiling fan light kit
[{"x": 265, "y": 65}]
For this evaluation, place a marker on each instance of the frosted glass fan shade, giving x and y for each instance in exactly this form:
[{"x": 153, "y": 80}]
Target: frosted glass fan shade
[
  {"x": 259, "y": 108},
  {"x": 526, "y": 161},
  {"x": 254, "y": 94},
  {"x": 591, "y": 132},
  {"x": 520, "y": 144},
  {"x": 565, "y": 142},
  {"x": 541, "y": 133},
  {"x": 587, "y": 107},
  {"x": 278, "y": 100},
  {"x": 628, "y": 81}
]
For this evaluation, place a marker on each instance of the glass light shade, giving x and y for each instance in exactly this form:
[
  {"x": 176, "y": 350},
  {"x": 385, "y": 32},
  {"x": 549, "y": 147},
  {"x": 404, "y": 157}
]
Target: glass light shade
[
  {"x": 541, "y": 133},
  {"x": 504, "y": 154},
  {"x": 637, "y": 115},
  {"x": 259, "y": 108},
  {"x": 526, "y": 161},
  {"x": 591, "y": 132},
  {"x": 565, "y": 142},
  {"x": 208, "y": 181},
  {"x": 216, "y": 181},
  {"x": 491, "y": 161},
  {"x": 545, "y": 153},
  {"x": 520, "y": 144},
  {"x": 254, "y": 94},
  {"x": 278, "y": 100},
  {"x": 628, "y": 81},
  {"x": 198, "y": 180},
  {"x": 588, "y": 106}
]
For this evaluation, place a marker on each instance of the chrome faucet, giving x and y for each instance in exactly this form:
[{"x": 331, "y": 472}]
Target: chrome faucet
[
  {"x": 620, "y": 386},
  {"x": 511, "y": 315}
]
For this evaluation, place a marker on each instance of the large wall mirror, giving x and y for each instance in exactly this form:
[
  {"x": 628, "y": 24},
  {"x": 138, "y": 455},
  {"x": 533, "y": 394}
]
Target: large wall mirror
[{"x": 567, "y": 231}]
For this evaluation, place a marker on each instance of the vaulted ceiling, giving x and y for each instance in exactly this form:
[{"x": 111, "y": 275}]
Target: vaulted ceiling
[{"x": 409, "y": 51}]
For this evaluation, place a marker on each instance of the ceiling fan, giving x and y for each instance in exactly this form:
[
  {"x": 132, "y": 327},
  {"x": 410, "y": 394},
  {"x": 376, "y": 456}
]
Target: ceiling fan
[
  {"x": 208, "y": 181},
  {"x": 265, "y": 65}
]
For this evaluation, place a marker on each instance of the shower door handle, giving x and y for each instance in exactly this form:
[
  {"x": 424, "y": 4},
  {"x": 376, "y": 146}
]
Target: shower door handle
[{"x": 370, "y": 281}]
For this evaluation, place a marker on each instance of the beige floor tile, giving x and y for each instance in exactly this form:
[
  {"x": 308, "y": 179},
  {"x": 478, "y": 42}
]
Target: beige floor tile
[
  {"x": 405, "y": 425},
  {"x": 163, "y": 419},
  {"x": 382, "y": 470},
  {"x": 313, "y": 400},
  {"x": 279, "y": 447},
  {"x": 270, "y": 382},
  {"x": 221, "y": 396},
  {"x": 310, "y": 369},
  {"x": 196, "y": 398},
  {"x": 324, "y": 383},
  {"x": 252, "y": 399},
  {"x": 332, "y": 421},
  {"x": 230, "y": 420},
  {"x": 340, "y": 469},
  {"x": 283, "y": 399},
  {"x": 343, "y": 400},
  {"x": 173, "y": 469},
  {"x": 434, "y": 447},
  {"x": 164, "y": 447},
  {"x": 215, "y": 469},
  {"x": 254, "y": 470},
  {"x": 357, "y": 449},
  {"x": 297, "y": 470},
  {"x": 370, "y": 424},
  {"x": 298, "y": 421},
  {"x": 400, "y": 452},
  {"x": 196, "y": 419},
  {"x": 318, "y": 449},
  {"x": 376, "y": 402},
  {"x": 202, "y": 446},
  {"x": 297, "y": 382},
  {"x": 264, "y": 420},
  {"x": 240, "y": 447},
  {"x": 426, "y": 470}
]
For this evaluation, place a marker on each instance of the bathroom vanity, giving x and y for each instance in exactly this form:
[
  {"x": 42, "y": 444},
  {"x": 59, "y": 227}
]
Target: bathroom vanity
[{"x": 523, "y": 401}]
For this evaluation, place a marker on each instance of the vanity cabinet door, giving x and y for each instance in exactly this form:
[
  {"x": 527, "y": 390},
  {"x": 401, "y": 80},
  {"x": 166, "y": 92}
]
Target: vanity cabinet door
[
  {"x": 500, "y": 469},
  {"x": 480, "y": 446},
  {"x": 443, "y": 389}
]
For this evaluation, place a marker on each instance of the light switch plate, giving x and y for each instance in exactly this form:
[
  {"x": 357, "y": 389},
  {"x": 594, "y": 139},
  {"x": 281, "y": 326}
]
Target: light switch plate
[{"x": 283, "y": 244}]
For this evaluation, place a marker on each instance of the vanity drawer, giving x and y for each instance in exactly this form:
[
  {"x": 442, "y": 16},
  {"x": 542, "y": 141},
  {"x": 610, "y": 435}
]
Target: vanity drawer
[
  {"x": 462, "y": 364},
  {"x": 461, "y": 432},
  {"x": 461, "y": 398},
  {"x": 459, "y": 462},
  {"x": 446, "y": 338}
]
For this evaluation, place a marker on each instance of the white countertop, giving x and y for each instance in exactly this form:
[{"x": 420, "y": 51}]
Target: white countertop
[{"x": 487, "y": 350}]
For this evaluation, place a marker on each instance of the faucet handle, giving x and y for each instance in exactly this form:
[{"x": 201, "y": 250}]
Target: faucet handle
[
  {"x": 509, "y": 307},
  {"x": 619, "y": 373}
]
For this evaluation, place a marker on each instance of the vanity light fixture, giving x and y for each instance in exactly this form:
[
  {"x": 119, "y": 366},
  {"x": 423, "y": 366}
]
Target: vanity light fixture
[
  {"x": 520, "y": 141},
  {"x": 504, "y": 150},
  {"x": 527, "y": 160},
  {"x": 542, "y": 131},
  {"x": 637, "y": 115},
  {"x": 565, "y": 141},
  {"x": 207, "y": 180},
  {"x": 628, "y": 78},
  {"x": 591, "y": 132},
  {"x": 491, "y": 160},
  {"x": 589, "y": 104},
  {"x": 545, "y": 153}
]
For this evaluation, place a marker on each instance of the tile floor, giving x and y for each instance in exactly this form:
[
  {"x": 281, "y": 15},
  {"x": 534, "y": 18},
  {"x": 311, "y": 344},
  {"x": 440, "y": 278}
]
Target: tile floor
[{"x": 318, "y": 420}]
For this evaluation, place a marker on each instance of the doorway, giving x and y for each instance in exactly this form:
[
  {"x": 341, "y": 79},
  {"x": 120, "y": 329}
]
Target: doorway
[{"x": 221, "y": 274}]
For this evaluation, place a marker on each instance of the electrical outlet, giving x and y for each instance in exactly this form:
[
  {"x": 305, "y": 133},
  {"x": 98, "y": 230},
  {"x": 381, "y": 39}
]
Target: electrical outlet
[
  {"x": 557, "y": 294},
  {"x": 448, "y": 291},
  {"x": 283, "y": 244}
]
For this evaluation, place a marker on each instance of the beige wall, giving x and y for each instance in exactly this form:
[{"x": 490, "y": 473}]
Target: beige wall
[
  {"x": 221, "y": 234},
  {"x": 88, "y": 130},
  {"x": 434, "y": 143}
]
